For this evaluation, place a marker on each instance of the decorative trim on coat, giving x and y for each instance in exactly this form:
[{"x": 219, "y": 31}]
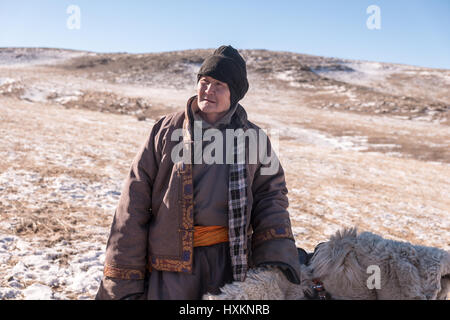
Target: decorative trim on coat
[
  {"x": 184, "y": 264},
  {"x": 185, "y": 261},
  {"x": 126, "y": 273},
  {"x": 281, "y": 232}
]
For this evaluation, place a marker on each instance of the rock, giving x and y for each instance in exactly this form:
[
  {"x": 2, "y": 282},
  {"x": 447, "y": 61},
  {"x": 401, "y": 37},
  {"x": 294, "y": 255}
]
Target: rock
[
  {"x": 15, "y": 284},
  {"x": 9, "y": 293}
]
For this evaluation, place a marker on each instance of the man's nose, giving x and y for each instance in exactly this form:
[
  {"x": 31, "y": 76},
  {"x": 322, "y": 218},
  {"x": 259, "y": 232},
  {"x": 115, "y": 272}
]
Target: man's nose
[{"x": 209, "y": 88}]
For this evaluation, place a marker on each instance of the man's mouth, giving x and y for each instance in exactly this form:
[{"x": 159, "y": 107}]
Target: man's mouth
[{"x": 209, "y": 100}]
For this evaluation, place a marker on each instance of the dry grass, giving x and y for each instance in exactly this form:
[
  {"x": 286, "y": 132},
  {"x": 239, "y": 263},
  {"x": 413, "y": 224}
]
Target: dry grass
[
  {"x": 394, "y": 196},
  {"x": 397, "y": 198}
]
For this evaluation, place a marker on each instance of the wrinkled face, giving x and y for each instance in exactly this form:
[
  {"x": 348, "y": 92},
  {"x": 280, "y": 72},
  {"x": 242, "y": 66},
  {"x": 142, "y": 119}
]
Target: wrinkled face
[{"x": 213, "y": 98}]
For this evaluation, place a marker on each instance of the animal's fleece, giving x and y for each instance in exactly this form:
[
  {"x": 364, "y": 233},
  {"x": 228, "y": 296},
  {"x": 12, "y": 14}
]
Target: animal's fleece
[{"x": 349, "y": 265}]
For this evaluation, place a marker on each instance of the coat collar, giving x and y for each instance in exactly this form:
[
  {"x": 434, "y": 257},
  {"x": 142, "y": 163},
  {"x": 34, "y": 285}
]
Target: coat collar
[{"x": 238, "y": 113}]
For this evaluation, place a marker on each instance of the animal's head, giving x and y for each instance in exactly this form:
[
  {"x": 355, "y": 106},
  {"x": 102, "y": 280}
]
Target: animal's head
[{"x": 337, "y": 265}]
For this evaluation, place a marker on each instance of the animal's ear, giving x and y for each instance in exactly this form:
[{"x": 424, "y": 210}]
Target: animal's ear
[
  {"x": 330, "y": 257},
  {"x": 353, "y": 274}
]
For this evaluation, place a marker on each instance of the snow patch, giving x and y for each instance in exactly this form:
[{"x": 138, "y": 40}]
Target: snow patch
[
  {"x": 38, "y": 291},
  {"x": 40, "y": 275}
]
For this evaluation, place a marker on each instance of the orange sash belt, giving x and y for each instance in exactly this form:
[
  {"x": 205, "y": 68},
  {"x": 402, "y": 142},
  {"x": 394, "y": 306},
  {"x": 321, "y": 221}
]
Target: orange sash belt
[{"x": 209, "y": 235}]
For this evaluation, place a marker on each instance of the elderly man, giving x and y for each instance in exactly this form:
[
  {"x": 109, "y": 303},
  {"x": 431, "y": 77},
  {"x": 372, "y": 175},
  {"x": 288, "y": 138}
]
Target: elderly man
[{"x": 186, "y": 228}]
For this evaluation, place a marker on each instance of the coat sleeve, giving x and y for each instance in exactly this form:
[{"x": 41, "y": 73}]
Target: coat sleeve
[
  {"x": 272, "y": 239},
  {"x": 120, "y": 289},
  {"x": 126, "y": 250}
]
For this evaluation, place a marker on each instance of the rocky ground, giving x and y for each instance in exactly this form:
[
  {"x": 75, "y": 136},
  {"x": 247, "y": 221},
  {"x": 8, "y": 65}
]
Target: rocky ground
[{"x": 363, "y": 144}]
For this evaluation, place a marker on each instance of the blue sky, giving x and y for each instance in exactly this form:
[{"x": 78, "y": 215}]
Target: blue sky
[{"x": 415, "y": 32}]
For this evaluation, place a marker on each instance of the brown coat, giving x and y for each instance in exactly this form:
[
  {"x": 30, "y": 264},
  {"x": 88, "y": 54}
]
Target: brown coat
[{"x": 153, "y": 223}]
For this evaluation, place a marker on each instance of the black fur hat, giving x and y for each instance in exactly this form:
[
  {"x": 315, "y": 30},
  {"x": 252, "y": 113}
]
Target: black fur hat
[{"x": 227, "y": 65}]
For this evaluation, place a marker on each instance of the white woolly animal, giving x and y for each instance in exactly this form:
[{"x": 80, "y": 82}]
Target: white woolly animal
[
  {"x": 261, "y": 284},
  {"x": 346, "y": 265}
]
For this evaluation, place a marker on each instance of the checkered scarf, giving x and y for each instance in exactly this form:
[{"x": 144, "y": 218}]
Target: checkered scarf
[{"x": 237, "y": 206}]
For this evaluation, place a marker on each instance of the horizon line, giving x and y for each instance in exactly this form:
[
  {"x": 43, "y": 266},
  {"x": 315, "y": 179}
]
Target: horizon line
[{"x": 193, "y": 49}]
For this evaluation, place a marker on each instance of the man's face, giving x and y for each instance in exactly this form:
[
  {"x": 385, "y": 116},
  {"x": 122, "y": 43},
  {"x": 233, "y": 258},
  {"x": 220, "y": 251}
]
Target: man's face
[{"x": 213, "y": 98}]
